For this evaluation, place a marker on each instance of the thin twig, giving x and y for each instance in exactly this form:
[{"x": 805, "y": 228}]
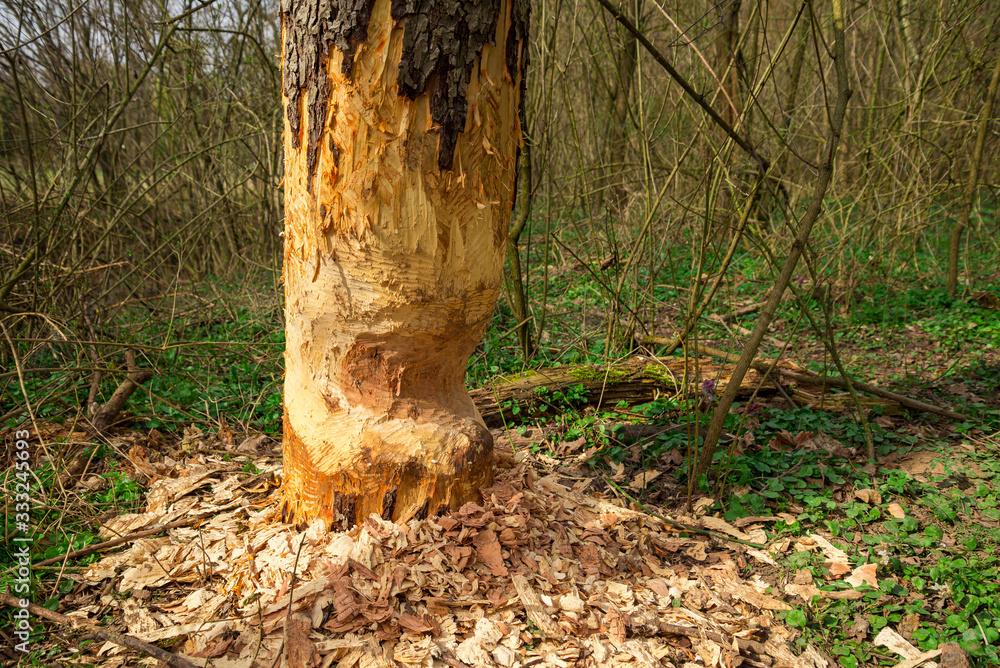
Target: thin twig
[
  {"x": 827, "y": 381},
  {"x": 115, "y": 542},
  {"x": 122, "y": 639},
  {"x": 803, "y": 230},
  {"x": 678, "y": 525},
  {"x": 699, "y": 99}
]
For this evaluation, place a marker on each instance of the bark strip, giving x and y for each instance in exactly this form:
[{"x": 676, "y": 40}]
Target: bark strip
[
  {"x": 440, "y": 42},
  {"x": 311, "y": 29}
]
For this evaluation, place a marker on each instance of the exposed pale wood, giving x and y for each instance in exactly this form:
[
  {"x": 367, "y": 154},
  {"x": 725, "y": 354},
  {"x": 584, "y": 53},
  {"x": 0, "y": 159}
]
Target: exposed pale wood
[
  {"x": 393, "y": 260},
  {"x": 533, "y": 606}
]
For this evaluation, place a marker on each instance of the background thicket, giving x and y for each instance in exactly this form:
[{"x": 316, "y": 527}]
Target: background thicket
[
  {"x": 140, "y": 221},
  {"x": 140, "y": 171}
]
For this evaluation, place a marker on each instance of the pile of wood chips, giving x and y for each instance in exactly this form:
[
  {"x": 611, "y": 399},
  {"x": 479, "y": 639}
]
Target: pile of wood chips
[{"x": 541, "y": 574}]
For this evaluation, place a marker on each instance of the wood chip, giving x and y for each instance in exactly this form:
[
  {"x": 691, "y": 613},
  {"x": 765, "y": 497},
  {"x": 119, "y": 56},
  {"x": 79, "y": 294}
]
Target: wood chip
[
  {"x": 533, "y": 606},
  {"x": 868, "y": 496},
  {"x": 899, "y": 645},
  {"x": 527, "y": 576}
]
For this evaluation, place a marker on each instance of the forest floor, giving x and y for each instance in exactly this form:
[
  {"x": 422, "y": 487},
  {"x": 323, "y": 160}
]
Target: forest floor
[
  {"x": 594, "y": 548},
  {"x": 590, "y": 550}
]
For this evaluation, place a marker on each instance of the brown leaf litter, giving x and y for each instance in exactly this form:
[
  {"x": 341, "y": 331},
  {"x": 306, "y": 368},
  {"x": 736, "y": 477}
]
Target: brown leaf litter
[{"x": 539, "y": 574}]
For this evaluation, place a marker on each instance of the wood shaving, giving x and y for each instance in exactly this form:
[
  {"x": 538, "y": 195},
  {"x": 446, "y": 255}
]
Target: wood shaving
[{"x": 539, "y": 573}]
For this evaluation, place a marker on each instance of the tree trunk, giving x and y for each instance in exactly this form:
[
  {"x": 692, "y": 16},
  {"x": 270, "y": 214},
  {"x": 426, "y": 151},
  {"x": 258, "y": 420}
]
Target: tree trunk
[
  {"x": 401, "y": 137},
  {"x": 612, "y": 190},
  {"x": 972, "y": 185},
  {"x": 514, "y": 276},
  {"x": 726, "y": 58}
]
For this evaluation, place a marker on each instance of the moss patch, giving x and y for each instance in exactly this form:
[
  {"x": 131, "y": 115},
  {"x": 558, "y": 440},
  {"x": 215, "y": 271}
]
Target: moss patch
[
  {"x": 611, "y": 374},
  {"x": 660, "y": 374},
  {"x": 515, "y": 377}
]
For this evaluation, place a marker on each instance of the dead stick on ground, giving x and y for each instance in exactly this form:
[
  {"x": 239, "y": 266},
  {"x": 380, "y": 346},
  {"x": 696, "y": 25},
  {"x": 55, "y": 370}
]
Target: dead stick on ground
[
  {"x": 745, "y": 310},
  {"x": 781, "y": 390},
  {"x": 136, "y": 377},
  {"x": 114, "y": 542},
  {"x": 678, "y": 525},
  {"x": 908, "y": 402},
  {"x": 105, "y": 634},
  {"x": 745, "y": 644}
]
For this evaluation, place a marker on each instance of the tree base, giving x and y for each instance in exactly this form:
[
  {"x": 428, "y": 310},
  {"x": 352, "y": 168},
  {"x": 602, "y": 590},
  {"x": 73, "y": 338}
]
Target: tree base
[{"x": 400, "y": 470}]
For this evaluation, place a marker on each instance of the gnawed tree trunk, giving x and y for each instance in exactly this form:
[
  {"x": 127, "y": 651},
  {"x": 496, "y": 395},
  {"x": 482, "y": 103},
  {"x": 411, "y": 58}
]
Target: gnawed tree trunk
[{"x": 401, "y": 140}]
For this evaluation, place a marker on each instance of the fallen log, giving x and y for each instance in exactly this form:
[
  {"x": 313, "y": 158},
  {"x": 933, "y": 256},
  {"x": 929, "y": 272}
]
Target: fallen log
[
  {"x": 636, "y": 381},
  {"x": 546, "y": 392},
  {"x": 828, "y": 381}
]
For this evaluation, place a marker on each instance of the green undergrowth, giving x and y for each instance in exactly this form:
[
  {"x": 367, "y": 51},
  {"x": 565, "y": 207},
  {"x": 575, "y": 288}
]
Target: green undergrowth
[
  {"x": 869, "y": 283},
  {"x": 935, "y": 545},
  {"x": 209, "y": 366},
  {"x": 216, "y": 350},
  {"x": 935, "y": 539},
  {"x": 57, "y": 530}
]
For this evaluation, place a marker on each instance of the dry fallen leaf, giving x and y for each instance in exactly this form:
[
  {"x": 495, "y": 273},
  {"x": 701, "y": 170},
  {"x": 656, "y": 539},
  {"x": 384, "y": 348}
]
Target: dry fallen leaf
[
  {"x": 836, "y": 568},
  {"x": 761, "y": 556},
  {"x": 831, "y": 551},
  {"x": 953, "y": 656},
  {"x": 868, "y": 496},
  {"x": 864, "y": 574},
  {"x": 658, "y": 586},
  {"x": 722, "y": 526},
  {"x": 300, "y": 652},
  {"x": 859, "y": 630},
  {"x": 697, "y": 551},
  {"x": 908, "y": 625},
  {"x": 642, "y": 480},
  {"x": 806, "y": 591},
  {"x": 488, "y": 550}
]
